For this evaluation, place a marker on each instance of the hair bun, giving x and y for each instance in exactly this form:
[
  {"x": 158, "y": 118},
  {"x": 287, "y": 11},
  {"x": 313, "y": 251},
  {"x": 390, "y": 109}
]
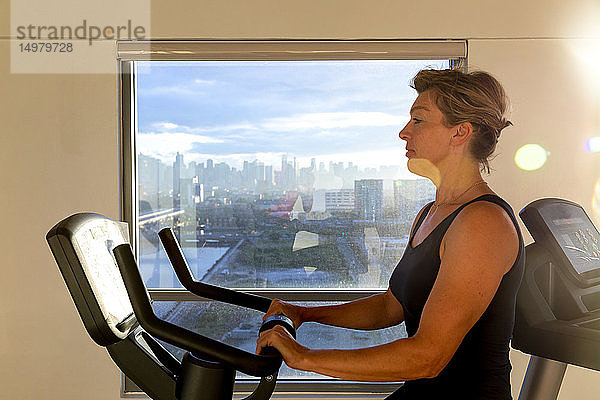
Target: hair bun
[{"x": 503, "y": 124}]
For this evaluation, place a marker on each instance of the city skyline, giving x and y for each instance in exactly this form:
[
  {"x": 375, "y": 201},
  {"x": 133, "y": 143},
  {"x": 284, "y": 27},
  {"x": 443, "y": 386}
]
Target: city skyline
[
  {"x": 320, "y": 165},
  {"x": 256, "y": 177},
  {"x": 337, "y": 188}
]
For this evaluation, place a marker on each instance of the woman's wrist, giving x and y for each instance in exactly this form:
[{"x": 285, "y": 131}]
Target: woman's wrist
[
  {"x": 303, "y": 359},
  {"x": 303, "y": 315}
]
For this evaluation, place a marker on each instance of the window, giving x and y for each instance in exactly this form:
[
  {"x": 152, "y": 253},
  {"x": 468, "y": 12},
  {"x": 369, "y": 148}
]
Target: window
[{"x": 279, "y": 168}]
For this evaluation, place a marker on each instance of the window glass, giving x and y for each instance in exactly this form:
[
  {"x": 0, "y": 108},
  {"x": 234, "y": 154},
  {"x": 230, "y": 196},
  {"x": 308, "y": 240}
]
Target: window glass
[
  {"x": 279, "y": 174},
  {"x": 239, "y": 327}
]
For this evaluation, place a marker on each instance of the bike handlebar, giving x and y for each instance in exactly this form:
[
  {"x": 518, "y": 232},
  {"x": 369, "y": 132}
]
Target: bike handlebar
[
  {"x": 182, "y": 270},
  {"x": 243, "y": 361}
]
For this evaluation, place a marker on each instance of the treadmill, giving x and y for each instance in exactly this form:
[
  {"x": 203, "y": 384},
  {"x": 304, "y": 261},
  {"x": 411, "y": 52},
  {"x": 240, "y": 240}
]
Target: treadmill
[{"x": 558, "y": 304}]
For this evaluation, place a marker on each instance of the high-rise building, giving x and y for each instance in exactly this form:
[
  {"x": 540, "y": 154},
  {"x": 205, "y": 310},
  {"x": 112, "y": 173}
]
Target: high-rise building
[
  {"x": 260, "y": 172},
  {"x": 295, "y": 169},
  {"x": 269, "y": 175},
  {"x": 178, "y": 167},
  {"x": 287, "y": 178},
  {"x": 209, "y": 173},
  {"x": 338, "y": 169},
  {"x": 150, "y": 180},
  {"x": 222, "y": 170},
  {"x": 368, "y": 199},
  {"x": 339, "y": 200}
]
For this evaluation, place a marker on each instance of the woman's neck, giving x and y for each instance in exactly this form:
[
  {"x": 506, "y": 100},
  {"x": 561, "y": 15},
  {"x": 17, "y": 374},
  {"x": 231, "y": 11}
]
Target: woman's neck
[
  {"x": 455, "y": 180},
  {"x": 455, "y": 185}
]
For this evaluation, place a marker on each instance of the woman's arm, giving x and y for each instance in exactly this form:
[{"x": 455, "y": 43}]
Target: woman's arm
[
  {"x": 374, "y": 312},
  {"x": 479, "y": 248},
  {"x": 403, "y": 359}
]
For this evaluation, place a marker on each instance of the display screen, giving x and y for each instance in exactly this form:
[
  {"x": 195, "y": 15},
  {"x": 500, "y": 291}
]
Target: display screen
[
  {"x": 93, "y": 243},
  {"x": 577, "y": 236}
]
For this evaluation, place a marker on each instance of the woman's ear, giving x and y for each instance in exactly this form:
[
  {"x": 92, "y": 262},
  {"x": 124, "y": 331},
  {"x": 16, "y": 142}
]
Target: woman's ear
[{"x": 462, "y": 133}]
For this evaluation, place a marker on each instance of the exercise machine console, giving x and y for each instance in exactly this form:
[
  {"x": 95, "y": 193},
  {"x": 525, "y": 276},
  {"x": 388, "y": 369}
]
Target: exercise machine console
[
  {"x": 558, "y": 305},
  {"x": 102, "y": 276}
]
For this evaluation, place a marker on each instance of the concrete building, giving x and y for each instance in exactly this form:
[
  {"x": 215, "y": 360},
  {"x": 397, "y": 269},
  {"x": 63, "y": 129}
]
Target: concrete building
[{"x": 368, "y": 199}]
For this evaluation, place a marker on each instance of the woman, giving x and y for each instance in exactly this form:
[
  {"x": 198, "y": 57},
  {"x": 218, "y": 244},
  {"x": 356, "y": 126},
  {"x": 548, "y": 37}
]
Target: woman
[{"x": 456, "y": 284}]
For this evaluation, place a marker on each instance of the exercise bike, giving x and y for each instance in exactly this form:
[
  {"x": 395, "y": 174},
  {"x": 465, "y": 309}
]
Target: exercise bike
[{"x": 99, "y": 268}]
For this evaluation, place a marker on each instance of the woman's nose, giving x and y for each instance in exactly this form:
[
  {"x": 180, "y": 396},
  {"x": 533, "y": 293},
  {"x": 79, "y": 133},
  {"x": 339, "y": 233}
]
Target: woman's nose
[{"x": 403, "y": 134}]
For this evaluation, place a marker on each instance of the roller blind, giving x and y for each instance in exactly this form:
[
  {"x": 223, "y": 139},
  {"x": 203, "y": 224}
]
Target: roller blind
[{"x": 292, "y": 50}]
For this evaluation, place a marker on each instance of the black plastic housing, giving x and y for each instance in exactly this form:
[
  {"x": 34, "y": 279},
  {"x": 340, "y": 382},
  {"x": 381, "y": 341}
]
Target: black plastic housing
[{"x": 558, "y": 312}]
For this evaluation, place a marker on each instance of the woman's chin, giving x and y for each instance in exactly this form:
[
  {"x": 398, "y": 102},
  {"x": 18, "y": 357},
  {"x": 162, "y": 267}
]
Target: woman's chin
[{"x": 424, "y": 168}]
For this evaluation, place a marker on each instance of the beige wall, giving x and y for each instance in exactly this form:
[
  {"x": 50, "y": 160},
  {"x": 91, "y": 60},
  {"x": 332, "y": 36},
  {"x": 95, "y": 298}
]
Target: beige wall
[{"x": 59, "y": 151}]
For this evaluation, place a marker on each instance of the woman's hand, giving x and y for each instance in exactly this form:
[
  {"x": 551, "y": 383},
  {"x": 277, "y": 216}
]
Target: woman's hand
[
  {"x": 279, "y": 338},
  {"x": 293, "y": 312}
]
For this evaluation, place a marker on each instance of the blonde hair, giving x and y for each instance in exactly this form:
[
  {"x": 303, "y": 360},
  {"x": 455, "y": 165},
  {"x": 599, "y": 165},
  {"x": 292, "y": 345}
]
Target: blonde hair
[{"x": 474, "y": 97}]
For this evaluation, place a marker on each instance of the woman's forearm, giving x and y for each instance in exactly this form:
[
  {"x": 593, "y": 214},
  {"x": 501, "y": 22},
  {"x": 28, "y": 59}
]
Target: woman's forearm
[
  {"x": 373, "y": 312},
  {"x": 404, "y": 359}
]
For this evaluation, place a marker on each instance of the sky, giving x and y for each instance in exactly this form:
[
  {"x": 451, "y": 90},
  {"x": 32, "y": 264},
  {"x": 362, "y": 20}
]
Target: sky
[{"x": 340, "y": 111}]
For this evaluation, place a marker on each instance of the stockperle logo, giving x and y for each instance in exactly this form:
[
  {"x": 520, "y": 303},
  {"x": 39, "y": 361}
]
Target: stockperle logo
[
  {"x": 74, "y": 37},
  {"x": 85, "y": 31}
]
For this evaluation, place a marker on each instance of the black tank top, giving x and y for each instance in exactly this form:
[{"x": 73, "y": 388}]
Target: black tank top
[{"x": 480, "y": 368}]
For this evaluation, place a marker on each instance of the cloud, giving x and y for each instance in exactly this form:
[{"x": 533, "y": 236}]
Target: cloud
[
  {"x": 204, "y": 82},
  {"x": 193, "y": 87},
  {"x": 242, "y": 126},
  {"x": 331, "y": 120},
  {"x": 267, "y": 139},
  {"x": 165, "y": 145},
  {"x": 323, "y": 123},
  {"x": 167, "y": 126},
  {"x": 177, "y": 90}
]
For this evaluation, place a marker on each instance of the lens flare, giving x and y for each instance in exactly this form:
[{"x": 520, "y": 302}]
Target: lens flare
[
  {"x": 586, "y": 53},
  {"x": 531, "y": 157},
  {"x": 593, "y": 144}
]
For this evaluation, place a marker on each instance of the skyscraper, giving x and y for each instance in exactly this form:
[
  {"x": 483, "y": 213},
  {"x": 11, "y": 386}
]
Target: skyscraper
[
  {"x": 178, "y": 166},
  {"x": 269, "y": 175},
  {"x": 368, "y": 199},
  {"x": 339, "y": 200}
]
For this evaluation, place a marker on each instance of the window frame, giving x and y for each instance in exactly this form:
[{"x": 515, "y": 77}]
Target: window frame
[{"x": 129, "y": 52}]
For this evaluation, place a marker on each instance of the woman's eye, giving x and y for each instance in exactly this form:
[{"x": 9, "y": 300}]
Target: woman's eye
[{"x": 417, "y": 120}]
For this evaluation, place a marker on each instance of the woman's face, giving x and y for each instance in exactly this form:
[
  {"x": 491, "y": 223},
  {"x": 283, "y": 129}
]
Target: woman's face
[{"x": 427, "y": 138}]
